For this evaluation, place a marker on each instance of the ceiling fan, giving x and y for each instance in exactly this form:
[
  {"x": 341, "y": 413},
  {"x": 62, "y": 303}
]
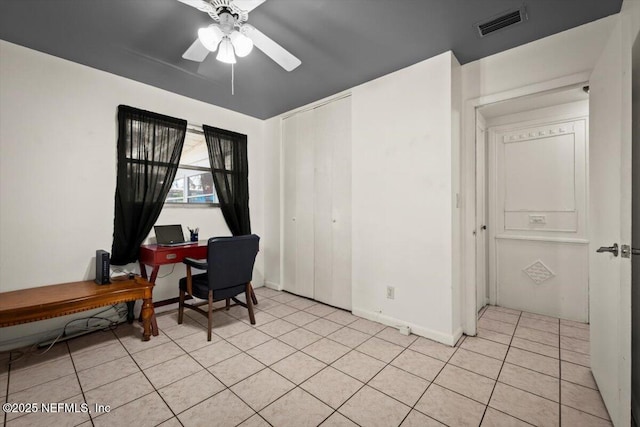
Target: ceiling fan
[{"x": 232, "y": 36}]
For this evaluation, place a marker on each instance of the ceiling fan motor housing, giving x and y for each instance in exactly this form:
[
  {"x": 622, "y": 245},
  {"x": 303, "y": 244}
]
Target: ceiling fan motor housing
[{"x": 227, "y": 7}]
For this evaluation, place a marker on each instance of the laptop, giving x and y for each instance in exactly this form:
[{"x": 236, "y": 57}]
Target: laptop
[{"x": 170, "y": 235}]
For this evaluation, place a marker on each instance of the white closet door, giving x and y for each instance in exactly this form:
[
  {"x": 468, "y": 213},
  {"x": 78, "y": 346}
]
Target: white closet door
[
  {"x": 289, "y": 138},
  {"x": 341, "y": 191},
  {"x": 317, "y": 203},
  {"x": 333, "y": 203},
  {"x": 323, "y": 209},
  {"x": 304, "y": 204},
  {"x": 298, "y": 250}
]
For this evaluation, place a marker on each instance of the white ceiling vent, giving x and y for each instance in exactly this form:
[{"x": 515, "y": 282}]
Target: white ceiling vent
[{"x": 502, "y": 21}]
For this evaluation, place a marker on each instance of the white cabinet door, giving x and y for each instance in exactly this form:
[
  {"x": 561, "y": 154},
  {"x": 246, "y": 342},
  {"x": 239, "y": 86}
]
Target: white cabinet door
[{"x": 610, "y": 222}]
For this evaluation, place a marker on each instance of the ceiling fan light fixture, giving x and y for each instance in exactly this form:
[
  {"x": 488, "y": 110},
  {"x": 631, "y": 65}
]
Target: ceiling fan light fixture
[
  {"x": 242, "y": 44},
  {"x": 210, "y": 37},
  {"x": 225, "y": 53}
]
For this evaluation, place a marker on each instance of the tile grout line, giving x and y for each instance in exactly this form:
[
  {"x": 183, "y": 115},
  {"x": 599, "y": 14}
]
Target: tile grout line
[
  {"x": 413, "y": 408},
  {"x": 350, "y": 350},
  {"x": 500, "y": 371},
  {"x": 75, "y": 371},
  {"x": 6, "y": 398},
  {"x": 218, "y": 379},
  {"x": 559, "y": 376},
  {"x": 155, "y": 390}
]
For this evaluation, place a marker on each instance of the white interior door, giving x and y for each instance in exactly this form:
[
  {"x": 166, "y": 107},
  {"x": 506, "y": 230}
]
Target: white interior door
[
  {"x": 481, "y": 220},
  {"x": 610, "y": 222}
]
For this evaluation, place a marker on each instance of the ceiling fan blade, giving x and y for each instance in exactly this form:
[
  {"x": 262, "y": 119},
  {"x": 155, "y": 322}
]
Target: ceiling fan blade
[
  {"x": 196, "y": 52},
  {"x": 247, "y": 5},
  {"x": 208, "y": 67},
  {"x": 272, "y": 49},
  {"x": 198, "y": 4}
]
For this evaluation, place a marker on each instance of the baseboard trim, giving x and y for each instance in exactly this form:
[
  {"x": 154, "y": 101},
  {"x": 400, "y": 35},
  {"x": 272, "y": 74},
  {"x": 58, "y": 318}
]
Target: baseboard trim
[
  {"x": 448, "y": 339},
  {"x": 272, "y": 285}
]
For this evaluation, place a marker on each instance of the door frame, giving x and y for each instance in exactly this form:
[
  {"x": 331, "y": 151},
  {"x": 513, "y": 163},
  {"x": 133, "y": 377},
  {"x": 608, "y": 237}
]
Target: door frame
[
  {"x": 482, "y": 218},
  {"x": 469, "y": 171}
]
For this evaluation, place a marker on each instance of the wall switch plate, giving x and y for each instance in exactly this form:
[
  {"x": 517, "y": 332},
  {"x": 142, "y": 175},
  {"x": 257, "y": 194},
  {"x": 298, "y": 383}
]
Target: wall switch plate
[{"x": 391, "y": 292}]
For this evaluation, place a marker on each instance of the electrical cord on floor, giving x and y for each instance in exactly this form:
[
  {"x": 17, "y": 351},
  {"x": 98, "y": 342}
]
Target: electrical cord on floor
[
  {"x": 168, "y": 274},
  {"x": 111, "y": 324}
]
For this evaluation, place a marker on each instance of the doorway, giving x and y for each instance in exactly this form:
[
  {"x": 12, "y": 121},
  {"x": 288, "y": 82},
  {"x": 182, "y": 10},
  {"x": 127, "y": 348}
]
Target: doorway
[{"x": 531, "y": 203}]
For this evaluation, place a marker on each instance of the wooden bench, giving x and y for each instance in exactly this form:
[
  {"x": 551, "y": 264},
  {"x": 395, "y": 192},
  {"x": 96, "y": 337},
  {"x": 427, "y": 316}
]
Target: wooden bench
[{"x": 45, "y": 302}]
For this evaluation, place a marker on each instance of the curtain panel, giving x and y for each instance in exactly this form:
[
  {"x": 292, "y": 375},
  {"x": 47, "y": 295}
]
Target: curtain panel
[
  {"x": 229, "y": 167},
  {"x": 149, "y": 148}
]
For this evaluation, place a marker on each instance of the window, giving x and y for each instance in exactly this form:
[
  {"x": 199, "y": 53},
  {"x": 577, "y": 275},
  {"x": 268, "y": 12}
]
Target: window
[{"x": 193, "y": 184}]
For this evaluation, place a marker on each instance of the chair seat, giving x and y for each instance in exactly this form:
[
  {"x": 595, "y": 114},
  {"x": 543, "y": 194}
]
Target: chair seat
[{"x": 200, "y": 287}]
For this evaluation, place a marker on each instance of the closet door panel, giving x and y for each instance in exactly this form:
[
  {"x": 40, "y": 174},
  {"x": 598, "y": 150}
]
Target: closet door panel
[
  {"x": 305, "y": 204},
  {"x": 289, "y": 137},
  {"x": 324, "y": 117},
  {"x": 341, "y": 200}
]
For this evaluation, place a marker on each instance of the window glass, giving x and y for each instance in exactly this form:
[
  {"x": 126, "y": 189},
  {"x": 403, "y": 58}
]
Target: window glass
[{"x": 193, "y": 184}]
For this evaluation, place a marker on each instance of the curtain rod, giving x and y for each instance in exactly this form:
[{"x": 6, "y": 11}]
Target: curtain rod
[{"x": 194, "y": 128}]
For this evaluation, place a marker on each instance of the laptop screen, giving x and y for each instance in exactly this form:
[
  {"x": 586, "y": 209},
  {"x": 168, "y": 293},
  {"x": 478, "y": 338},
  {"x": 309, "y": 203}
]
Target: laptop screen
[{"x": 167, "y": 234}]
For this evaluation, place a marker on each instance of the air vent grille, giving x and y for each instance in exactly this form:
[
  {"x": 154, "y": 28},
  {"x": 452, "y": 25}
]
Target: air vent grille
[{"x": 504, "y": 20}]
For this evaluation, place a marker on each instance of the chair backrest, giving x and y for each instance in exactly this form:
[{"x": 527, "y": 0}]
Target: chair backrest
[{"x": 231, "y": 260}]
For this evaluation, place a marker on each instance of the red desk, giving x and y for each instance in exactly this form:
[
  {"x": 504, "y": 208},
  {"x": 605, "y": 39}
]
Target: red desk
[{"x": 155, "y": 256}]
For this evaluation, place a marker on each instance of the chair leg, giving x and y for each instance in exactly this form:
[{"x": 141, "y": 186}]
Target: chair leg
[
  {"x": 247, "y": 294},
  {"x": 210, "y": 316},
  {"x": 181, "y": 307},
  {"x": 253, "y": 296},
  {"x": 228, "y": 304}
]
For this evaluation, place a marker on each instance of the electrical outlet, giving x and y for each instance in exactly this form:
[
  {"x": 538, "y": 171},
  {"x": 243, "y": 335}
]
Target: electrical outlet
[{"x": 391, "y": 292}]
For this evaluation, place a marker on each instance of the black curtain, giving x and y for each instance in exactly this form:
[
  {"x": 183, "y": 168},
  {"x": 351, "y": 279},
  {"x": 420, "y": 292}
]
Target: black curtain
[
  {"x": 149, "y": 148},
  {"x": 229, "y": 167}
]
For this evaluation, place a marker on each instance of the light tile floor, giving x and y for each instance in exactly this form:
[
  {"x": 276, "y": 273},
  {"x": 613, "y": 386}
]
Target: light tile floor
[{"x": 308, "y": 364}]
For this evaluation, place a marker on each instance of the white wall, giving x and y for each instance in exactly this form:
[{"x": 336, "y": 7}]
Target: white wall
[
  {"x": 403, "y": 197},
  {"x": 272, "y": 200},
  {"x": 58, "y": 169}
]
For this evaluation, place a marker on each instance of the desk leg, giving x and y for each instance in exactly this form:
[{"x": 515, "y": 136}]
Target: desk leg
[
  {"x": 154, "y": 274},
  {"x": 130, "y": 315},
  {"x": 143, "y": 271},
  {"x": 147, "y": 317}
]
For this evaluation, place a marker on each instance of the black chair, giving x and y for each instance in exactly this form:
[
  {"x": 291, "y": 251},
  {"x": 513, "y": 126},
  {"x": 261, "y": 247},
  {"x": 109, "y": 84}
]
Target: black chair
[{"x": 229, "y": 270}]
